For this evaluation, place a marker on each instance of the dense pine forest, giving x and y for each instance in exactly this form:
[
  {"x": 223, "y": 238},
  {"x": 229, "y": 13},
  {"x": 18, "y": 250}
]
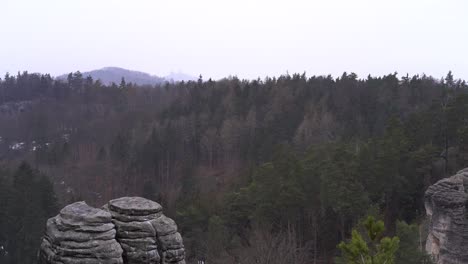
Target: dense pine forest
[{"x": 274, "y": 170}]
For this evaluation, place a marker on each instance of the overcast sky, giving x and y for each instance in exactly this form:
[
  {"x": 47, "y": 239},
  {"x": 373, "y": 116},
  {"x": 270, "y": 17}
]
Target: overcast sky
[{"x": 246, "y": 38}]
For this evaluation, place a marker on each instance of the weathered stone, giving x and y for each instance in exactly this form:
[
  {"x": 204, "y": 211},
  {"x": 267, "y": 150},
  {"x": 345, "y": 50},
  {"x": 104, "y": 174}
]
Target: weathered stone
[
  {"x": 142, "y": 256},
  {"x": 80, "y": 234},
  {"x": 446, "y": 208},
  {"x": 134, "y": 229},
  {"x": 93, "y": 260},
  {"x": 134, "y": 218},
  {"x": 63, "y": 224},
  {"x": 70, "y": 235},
  {"x": 81, "y": 245},
  {"x": 128, "y": 230},
  {"x": 164, "y": 225},
  {"x": 174, "y": 255},
  {"x": 104, "y": 250},
  {"x": 172, "y": 241},
  {"x": 81, "y": 212},
  {"x": 146, "y": 242},
  {"x": 134, "y": 206},
  {"x": 134, "y": 235},
  {"x": 130, "y": 248}
]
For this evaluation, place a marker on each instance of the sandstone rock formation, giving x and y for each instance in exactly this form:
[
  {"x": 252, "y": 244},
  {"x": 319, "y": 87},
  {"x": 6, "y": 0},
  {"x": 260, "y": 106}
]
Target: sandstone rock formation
[
  {"x": 80, "y": 234},
  {"x": 446, "y": 207},
  {"x": 127, "y": 230}
]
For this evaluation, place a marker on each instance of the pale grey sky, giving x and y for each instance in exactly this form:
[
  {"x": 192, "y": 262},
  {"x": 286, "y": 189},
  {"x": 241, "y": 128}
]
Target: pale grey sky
[{"x": 246, "y": 38}]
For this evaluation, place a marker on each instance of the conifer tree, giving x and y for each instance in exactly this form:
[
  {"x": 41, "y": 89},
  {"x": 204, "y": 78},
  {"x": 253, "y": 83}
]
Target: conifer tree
[{"x": 371, "y": 249}]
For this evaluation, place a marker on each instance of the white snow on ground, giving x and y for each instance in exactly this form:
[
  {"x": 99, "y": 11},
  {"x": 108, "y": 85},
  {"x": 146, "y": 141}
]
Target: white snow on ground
[{"x": 17, "y": 146}]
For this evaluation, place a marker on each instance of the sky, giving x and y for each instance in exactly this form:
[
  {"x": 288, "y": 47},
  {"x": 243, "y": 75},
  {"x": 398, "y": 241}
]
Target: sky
[{"x": 244, "y": 38}]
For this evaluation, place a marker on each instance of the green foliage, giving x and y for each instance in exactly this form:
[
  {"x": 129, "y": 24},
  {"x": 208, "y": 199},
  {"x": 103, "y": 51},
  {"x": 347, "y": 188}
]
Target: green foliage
[
  {"x": 316, "y": 152},
  {"x": 29, "y": 202},
  {"x": 194, "y": 223},
  {"x": 340, "y": 181},
  {"x": 411, "y": 245},
  {"x": 275, "y": 194},
  {"x": 375, "y": 249},
  {"x": 238, "y": 211},
  {"x": 216, "y": 236}
]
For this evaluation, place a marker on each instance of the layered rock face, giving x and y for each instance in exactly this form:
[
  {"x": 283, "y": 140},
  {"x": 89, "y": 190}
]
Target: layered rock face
[
  {"x": 127, "y": 230},
  {"x": 170, "y": 241},
  {"x": 446, "y": 207},
  {"x": 80, "y": 234},
  {"x": 146, "y": 235}
]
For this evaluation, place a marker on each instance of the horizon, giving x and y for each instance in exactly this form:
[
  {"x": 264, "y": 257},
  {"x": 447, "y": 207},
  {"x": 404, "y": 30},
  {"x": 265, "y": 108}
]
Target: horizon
[
  {"x": 243, "y": 39},
  {"x": 398, "y": 75}
]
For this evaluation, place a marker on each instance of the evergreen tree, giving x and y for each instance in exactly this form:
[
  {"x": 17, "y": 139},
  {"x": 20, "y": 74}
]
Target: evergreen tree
[
  {"x": 339, "y": 181},
  {"x": 372, "y": 248},
  {"x": 33, "y": 201},
  {"x": 411, "y": 249}
]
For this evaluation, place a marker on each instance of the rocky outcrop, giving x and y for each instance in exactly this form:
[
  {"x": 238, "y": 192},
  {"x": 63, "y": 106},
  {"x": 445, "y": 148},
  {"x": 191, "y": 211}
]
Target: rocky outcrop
[
  {"x": 80, "y": 234},
  {"x": 446, "y": 208},
  {"x": 127, "y": 230},
  {"x": 146, "y": 235},
  {"x": 170, "y": 241}
]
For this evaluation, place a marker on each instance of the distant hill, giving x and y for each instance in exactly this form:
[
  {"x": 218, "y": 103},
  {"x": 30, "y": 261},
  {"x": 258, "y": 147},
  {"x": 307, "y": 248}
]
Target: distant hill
[
  {"x": 179, "y": 76},
  {"x": 109, "y": 75}
]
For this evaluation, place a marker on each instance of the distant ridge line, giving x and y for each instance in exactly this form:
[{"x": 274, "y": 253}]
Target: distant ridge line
[{"x": 111, "y": 74}]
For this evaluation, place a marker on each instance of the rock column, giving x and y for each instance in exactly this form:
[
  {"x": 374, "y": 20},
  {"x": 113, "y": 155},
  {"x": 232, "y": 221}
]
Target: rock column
[
  {"x": 80, "y": 234},
  {"x": 169, "y": 240},
  {"x": 132, "y": 218}
]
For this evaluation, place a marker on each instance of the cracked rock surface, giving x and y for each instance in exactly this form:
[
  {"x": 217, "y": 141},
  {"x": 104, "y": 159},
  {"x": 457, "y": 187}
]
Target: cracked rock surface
[{"x": 446, "y": 208}]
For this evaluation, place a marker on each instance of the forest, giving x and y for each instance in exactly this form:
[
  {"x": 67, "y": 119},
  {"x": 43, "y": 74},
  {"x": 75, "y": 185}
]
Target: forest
[{"x": 274, "y": 170}]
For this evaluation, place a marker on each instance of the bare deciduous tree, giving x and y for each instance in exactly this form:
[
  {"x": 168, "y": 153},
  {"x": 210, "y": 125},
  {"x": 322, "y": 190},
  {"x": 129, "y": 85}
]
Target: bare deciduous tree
[{"x": 268, "y": 248}]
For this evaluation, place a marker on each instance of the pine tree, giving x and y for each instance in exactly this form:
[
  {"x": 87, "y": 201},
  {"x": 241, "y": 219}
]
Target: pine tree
[
  {"x": 371, "y": 249},
  {"x": 33, "y": 201}
]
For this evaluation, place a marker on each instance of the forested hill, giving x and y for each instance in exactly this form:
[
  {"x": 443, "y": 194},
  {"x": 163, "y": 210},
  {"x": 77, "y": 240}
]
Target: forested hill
[
  {"x": 109, "y": 75},
  {"x": 241, "y": 163}
]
